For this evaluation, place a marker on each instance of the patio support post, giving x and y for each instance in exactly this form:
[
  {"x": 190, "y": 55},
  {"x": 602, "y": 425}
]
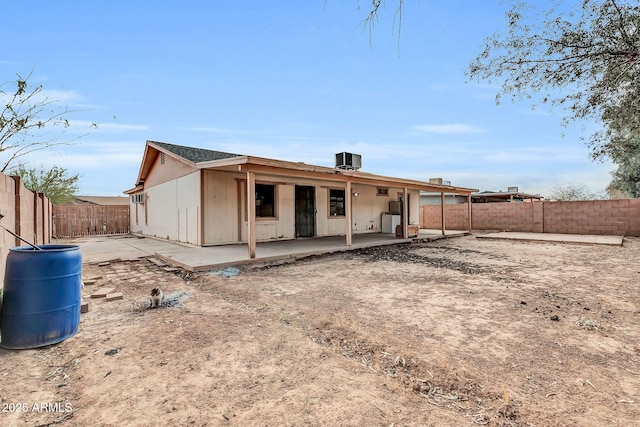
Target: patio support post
[
  {"x": 347, "y": 199},
  {"x": 442, "y": 211},
  {"x": 405, "y": 214},
  {"x": 469, "y": 209},
  {"x": 251, "y": 213}
]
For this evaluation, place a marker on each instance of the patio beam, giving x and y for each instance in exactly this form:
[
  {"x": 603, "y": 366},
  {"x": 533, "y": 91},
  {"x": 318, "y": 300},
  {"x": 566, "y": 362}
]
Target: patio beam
[
  {"x": 347, "y": 199},
  {"x": 405, "y": 213},
  {"x": 442, "y": 211},
  {"x": 251, "y": 214},
  {"x": 469, "y": 209}
]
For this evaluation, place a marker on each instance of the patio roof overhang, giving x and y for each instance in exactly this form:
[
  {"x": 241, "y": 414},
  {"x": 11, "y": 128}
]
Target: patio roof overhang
[{"x": 272, "y": 167}]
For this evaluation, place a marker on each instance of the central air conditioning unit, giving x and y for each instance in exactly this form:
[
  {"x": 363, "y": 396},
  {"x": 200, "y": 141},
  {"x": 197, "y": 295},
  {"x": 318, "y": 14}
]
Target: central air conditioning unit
[{"x": 349, "y": 161}]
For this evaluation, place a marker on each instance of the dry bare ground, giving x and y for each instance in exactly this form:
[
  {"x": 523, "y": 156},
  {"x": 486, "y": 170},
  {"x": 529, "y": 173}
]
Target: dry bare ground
[{"x": 455, "y": 332}]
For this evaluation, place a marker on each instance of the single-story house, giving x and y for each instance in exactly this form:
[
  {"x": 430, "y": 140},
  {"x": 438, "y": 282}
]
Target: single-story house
[{"x": 206, "y": 197}]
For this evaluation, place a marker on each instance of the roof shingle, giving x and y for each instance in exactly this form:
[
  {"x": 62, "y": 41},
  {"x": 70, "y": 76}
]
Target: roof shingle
[{"x": 196, "y": 155}]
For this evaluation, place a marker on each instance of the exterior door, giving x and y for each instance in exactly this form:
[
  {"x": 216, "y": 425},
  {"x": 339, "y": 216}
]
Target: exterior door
[
  {"x": 400, "y": 199},
  {"x": 305, "y": 211}
]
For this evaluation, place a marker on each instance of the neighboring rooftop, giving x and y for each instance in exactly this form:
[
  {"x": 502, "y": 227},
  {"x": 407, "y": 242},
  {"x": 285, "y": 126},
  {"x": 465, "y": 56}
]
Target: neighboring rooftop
[
  {"x": 99, "y": 200},
  {"x": 511, "y": 195}
]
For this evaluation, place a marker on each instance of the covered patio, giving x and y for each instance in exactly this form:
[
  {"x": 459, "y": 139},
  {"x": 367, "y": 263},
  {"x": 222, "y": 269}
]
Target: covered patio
[
  {"x": 255, "y": 166},
  {"x": 195, "y": 258}
]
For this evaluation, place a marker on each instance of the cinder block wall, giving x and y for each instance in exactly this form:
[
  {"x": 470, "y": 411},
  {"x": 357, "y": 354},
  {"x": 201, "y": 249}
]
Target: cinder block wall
[
  {"x": 456, "y": 217},
  {"x": 507, "y": 216},
  {"x": 25, "y": 213},
  {"x": 8, "y": 209},
  {"x": 616, "y": 217}
]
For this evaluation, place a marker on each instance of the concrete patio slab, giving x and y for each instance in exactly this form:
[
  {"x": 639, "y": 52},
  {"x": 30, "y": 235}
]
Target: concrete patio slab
[
  {"x": 195, "y": 258},
  {"x": 558, "y": 238}
]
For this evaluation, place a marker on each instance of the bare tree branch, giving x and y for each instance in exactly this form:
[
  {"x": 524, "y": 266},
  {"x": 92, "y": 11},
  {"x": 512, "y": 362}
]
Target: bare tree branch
[
  {"x": 26, "y": 121},
  {"x": 586, "y": 61}
]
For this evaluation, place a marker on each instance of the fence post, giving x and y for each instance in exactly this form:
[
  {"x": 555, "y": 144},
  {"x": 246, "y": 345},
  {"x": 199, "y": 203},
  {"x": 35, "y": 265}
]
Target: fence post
[{"x": 16, "y": 208}]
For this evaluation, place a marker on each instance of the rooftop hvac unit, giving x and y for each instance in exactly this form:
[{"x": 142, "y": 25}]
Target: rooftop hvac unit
[{"x": 348, "y": 161}]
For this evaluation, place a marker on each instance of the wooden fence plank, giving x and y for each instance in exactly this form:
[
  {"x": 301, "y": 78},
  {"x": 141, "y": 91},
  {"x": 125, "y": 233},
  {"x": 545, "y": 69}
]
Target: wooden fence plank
[{"x": 74, "y": 221}]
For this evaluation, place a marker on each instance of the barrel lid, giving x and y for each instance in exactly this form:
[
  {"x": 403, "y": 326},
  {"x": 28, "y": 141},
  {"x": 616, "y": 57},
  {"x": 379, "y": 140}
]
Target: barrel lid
[{"x": 45, "y": 248}]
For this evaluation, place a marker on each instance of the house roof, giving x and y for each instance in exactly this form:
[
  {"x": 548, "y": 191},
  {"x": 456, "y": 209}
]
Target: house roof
[
  {"x": 190, "y": 155},
  {"x": 210, "y": 159},
  {"x": 193, "y": 154}
]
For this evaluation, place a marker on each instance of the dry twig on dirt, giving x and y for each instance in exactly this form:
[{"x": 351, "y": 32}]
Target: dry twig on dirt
[{"x": 587, "y": 324}]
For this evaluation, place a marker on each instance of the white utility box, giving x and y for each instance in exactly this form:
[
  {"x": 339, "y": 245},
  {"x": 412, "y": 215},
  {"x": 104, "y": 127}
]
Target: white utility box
[{"x": 389, "y": 222}]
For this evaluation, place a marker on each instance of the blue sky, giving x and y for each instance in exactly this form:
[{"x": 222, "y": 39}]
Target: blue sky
[{"x": 290, "y": 80}]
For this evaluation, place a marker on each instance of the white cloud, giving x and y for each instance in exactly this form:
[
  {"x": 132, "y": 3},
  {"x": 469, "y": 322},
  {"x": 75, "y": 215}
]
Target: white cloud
[
  {"x": 108, "y": 127},
  {"x": 88, "y": 156},
  {"x": 454, "y": 128},
  {"x": 219, "y": 130},
  {"x": 45, "y": 96}
]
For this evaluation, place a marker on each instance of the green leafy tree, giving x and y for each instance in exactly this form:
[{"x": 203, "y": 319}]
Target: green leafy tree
[
  {"x": 626, "y": 178},
  {"x": 55, "y": 183},
  {"x": 623, "y": 132},
  {"x": 27, "y": 117},
  {"x": 582, "y": 56}
]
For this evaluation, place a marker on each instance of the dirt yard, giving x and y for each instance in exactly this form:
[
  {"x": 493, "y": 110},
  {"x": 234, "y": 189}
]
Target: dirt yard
[{"x": 462, "y": 331}]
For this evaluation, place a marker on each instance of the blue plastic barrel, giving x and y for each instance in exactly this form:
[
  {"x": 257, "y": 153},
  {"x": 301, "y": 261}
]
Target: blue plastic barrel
[{"x": 41, "y": 298}]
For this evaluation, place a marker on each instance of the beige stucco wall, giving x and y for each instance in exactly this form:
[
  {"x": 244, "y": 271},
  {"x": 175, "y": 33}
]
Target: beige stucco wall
[
  {"x": 282, "y": 227},
  {"x": 171, "y": 210},
  {"x": 224, "y": 212},
  {"x": 188, "y": 212},
  {"x": 136, "y": 217},
  {"x": 368, "y": 207},
  {"x": 160, "y": 172},
  {"x": 327, "y": 225},
  {"x": 220, "y": 207}
]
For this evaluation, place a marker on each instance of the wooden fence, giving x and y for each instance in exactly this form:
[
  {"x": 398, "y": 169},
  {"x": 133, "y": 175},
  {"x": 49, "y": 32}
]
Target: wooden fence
[{"x": 74, "y": 221}]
